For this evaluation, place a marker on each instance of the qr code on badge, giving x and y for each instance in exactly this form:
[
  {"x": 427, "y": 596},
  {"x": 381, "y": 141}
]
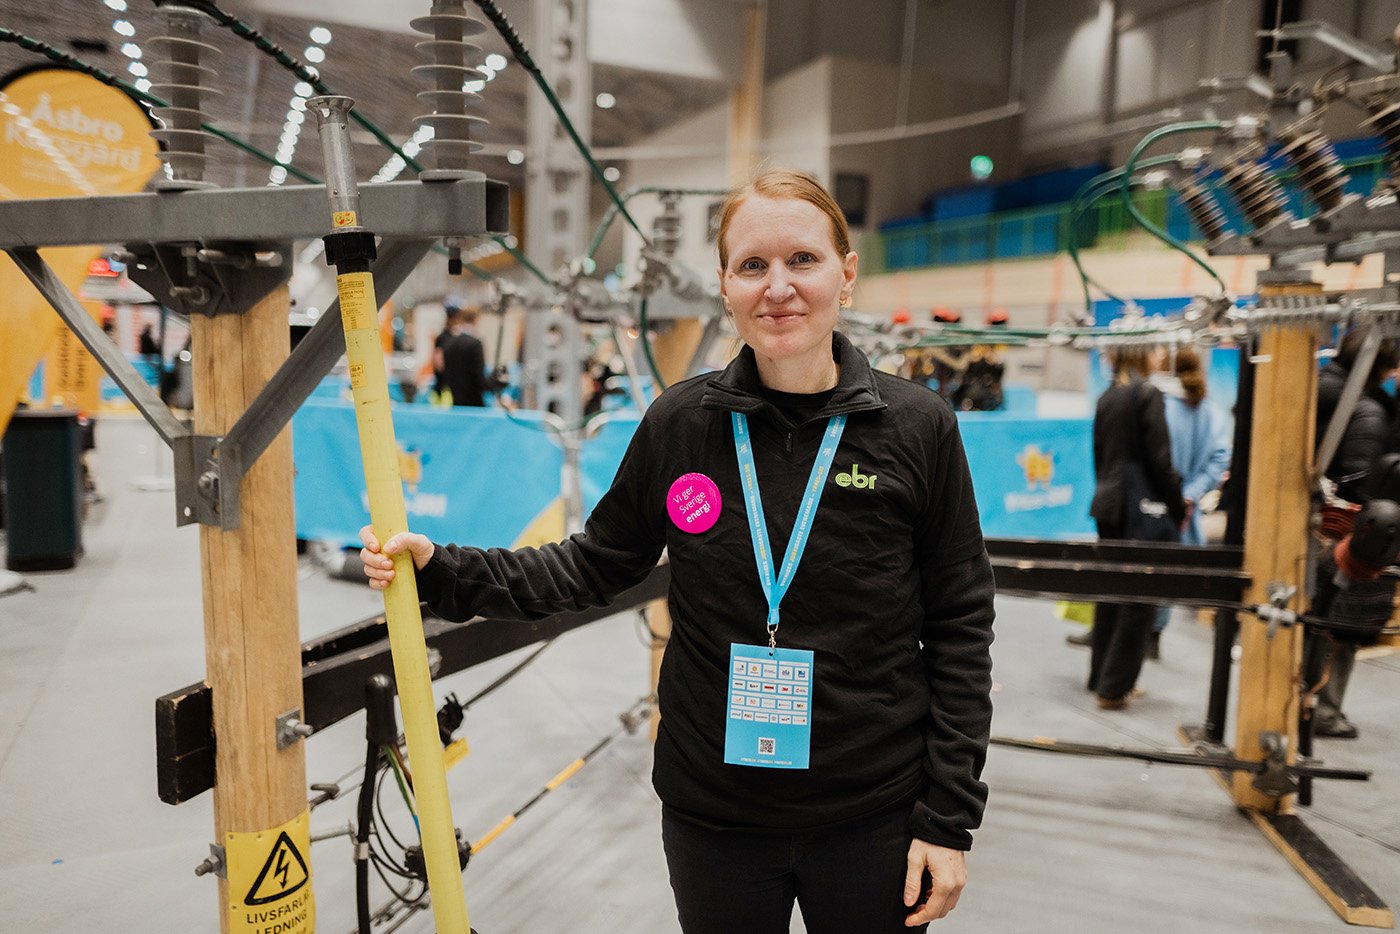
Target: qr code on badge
[{"x": 765, "y": 746}]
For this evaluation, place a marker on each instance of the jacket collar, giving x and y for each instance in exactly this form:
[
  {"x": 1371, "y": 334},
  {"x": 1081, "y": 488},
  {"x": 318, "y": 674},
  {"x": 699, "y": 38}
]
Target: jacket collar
[{"x": 736, "y": 388}]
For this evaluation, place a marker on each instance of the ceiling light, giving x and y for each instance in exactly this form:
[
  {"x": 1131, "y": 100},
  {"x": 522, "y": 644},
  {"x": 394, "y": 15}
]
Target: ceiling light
[
  {"x": 606, "y": 101},
  {"x": 296, "y": 116},
  {"x": 137, "y": 69},
  {"x": 278, "y": 175},
  {"x": 314, "y": 53},
  {"x": 515, "y": 157},
  {"x": 117, "y": 5},
  {"x": 143, "y": 85},
  {"x": 131, "y": 50},
  {"x": 496, "y": 62},
  {"x": 298, "y": 103},
  {"x": 474, "y": 86},
  {"x": 487, "y": 72},
  {"x": 123, "y": 28},
  {"x": 303, "y": 89},
  {"x": 320, "y": 35},
  {"x": 612, "y": 173}
]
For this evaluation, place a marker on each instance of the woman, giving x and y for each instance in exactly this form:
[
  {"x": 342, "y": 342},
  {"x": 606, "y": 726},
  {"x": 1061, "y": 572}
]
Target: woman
[
  {"x": 1135, "y": 487},
  {"x": 860, "y": 813},
  {"x": 1199, "y": 454}
]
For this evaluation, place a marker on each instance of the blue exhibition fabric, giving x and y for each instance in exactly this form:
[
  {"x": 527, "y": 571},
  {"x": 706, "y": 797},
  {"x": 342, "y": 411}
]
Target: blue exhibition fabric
[
  {"x": 1033, "y": 477},
  {"x": 471, "y": 476}
]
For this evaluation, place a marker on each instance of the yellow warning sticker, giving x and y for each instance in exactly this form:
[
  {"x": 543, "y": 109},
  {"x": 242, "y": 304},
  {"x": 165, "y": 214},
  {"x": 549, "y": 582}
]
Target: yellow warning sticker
[
  {"x": 269, "y": 880},
  {"x": 341, "y": 219},
  {"x": 357, "y": 375},
  {"x": 356, "y": 296}
]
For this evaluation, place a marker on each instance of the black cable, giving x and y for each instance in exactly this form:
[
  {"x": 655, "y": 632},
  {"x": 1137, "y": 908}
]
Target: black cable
[
  {"x": 364, "y": 817},
  {"x": 503, "y": 679},
  {"x": 379, "y": 809}
]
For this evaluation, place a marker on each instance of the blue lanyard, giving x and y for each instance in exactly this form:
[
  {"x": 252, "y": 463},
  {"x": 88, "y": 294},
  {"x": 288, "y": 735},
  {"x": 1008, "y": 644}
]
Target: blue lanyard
[{"x": 776, "y": 589}]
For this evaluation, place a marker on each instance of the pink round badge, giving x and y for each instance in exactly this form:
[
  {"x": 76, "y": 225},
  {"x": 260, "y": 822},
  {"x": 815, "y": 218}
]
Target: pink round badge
[{"x": 693, "y": 503}]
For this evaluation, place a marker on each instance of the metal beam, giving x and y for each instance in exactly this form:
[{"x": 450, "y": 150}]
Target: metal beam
[
  {"x": 89, "y": 332},
  {"x": 294, "y": 381},
  {"x": 335, "y": 667},
  {"x": 1372, "y": 56},
  {"x": 463, "y": 208}
]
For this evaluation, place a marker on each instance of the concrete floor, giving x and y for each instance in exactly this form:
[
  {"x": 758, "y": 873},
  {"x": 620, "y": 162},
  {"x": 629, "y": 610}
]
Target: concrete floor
[{"x": 1068, "y": 845}]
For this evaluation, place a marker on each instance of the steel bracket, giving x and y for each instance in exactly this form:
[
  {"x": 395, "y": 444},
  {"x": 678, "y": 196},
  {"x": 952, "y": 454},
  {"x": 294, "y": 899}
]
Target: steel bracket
[
  {"x": 210, "y": 278},
  {"x": 208, "y": 470}
]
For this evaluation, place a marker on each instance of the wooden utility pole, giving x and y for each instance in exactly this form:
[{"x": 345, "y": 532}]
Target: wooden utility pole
[
  {"x": 1276, "y": 536},
  {"x": 251, "y": 635}
]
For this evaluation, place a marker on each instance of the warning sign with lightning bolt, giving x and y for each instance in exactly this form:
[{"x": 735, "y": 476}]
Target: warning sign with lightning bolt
[{"x": 268, "y": 879}]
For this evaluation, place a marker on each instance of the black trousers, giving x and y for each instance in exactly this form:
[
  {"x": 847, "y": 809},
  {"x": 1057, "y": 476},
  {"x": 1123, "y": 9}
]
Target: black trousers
[
  {"x": 846, "y": 881},
  {"x": 1119, "y": 643}
]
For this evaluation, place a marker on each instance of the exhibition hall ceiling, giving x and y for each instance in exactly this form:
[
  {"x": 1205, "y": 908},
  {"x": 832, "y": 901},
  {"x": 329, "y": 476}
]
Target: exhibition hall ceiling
[{"x": 369, "y": 65}]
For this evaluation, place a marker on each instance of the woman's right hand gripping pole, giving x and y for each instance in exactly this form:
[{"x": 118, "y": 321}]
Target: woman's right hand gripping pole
[{"x": 379, "y": 566}]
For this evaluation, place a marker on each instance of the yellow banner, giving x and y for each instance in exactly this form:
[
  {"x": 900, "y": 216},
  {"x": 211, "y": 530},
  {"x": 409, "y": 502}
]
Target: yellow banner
[
  {"x": 62, "y": 135},
  {"x": 269, "y": 879}
]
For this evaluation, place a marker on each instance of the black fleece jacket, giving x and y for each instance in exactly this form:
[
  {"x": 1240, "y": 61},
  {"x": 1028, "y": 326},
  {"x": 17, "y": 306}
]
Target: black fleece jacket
[
  {"x": 893, "y": 595},
  {"x": 1367, "y": 435},
  {"x": 1130, "y": 424}
]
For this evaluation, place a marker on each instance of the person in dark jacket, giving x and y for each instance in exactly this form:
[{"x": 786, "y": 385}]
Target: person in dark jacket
[
  {"x": 1367, "y": 437},
  {"x": 861, "y": 812},
  {"x": 1130, "y": 441},
  {"x": 461, "y": 359}
]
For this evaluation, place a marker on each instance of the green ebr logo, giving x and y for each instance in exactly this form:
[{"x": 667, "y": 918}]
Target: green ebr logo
[{"x": 856, "y": 479}]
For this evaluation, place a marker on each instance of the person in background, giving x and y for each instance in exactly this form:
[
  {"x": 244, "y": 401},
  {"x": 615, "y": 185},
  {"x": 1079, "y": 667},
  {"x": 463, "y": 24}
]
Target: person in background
[
  {"x": 1133, "y": 473},
  {"x": 983, "y": 369},
  {"x": 146, "y": 344},
  {"x": 946, "y": 364},
  {"x": 1200, "y": 453},
  {"x": 1368, "y": 604},
  {"x": 461, "y": 358},
  {"x": 855, "y": 482}
]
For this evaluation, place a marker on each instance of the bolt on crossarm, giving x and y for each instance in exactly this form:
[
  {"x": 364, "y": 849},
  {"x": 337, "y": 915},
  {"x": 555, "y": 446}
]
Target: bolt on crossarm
[{"x": 350, "y": 248}]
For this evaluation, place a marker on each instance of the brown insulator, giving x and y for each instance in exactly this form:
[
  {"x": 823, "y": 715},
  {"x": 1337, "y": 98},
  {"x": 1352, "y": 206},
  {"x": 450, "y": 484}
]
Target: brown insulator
[
  {"x": 1385, "y": 123},
  {"x": 1258, "y": 194},
  {"x": 1320, "y": 172},
  {"x": 1204, "y": 209}
]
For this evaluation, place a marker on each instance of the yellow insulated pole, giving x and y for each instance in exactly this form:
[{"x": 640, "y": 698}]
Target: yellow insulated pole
[{"x": 351, "y": 247}]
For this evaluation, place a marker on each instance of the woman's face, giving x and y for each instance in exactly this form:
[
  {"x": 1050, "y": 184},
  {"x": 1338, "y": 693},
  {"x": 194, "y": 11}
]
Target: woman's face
[{"x": 785, "y": 279}]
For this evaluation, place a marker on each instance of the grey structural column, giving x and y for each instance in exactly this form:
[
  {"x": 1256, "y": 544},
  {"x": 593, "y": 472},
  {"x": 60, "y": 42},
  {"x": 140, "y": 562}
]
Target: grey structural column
[{"x": 557, "y": 185}]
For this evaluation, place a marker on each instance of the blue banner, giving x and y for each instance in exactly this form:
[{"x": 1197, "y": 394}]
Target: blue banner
[
  {"x": 1034, "y": 477},
  {"x": 472, "y": 476}
]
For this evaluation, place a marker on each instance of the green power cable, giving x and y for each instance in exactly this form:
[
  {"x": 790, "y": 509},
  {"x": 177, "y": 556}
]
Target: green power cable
[
  {"x": 1083, "y": 199},
  {"x": 1137, "y": 215},
  {"x": 610, "y": 214},
  {"x": 646, "y": 345},
  {"x": 34, "y": 45},
  {"x": 283, "y": 58},
  {"x": 522, "y": 55}
]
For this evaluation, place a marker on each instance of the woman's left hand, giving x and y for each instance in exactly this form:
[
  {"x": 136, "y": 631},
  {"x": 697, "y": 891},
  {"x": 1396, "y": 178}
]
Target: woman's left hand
[{"x": 948, "y": 868}]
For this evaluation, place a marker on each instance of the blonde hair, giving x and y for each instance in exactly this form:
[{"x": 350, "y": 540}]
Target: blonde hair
[{"x": 786, "y": 183}]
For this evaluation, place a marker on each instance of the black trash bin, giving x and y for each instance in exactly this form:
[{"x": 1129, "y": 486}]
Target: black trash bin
[{"x": 43, "y": 490}]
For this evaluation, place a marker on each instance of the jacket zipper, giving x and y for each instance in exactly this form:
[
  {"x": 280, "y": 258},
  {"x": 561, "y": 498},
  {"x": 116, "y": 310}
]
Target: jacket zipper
[{"x": 788, "y": 443}]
